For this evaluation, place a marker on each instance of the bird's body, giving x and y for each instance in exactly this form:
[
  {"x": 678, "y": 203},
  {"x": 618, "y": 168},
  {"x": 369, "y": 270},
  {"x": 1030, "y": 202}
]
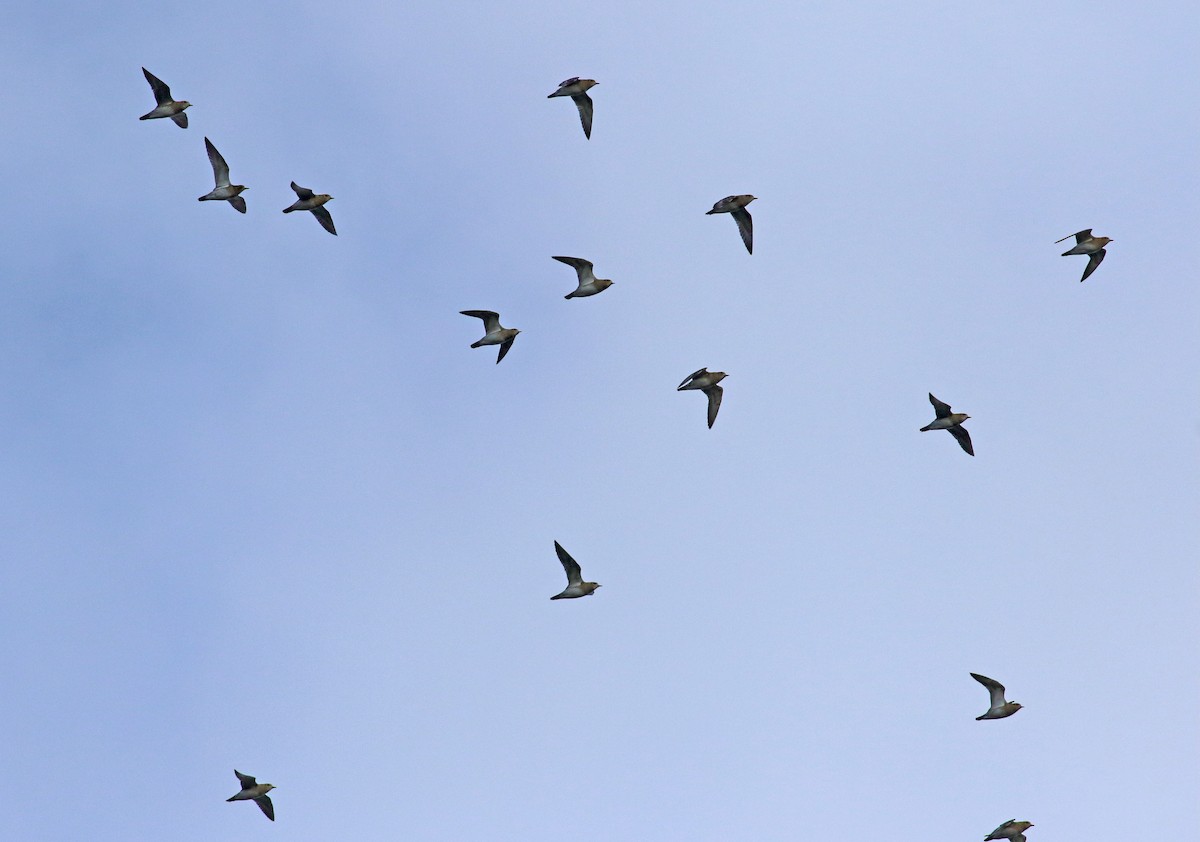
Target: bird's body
[
  {"x": 951, "y": 422},
  {"x": 252, "y": 790},
  {"x": 736, "y": 206},
  {"x": 577, "y": 89},
  {"x": 589, "y": 284},
  {"x": 706, "y": 381},
  {"x": 166, "y": 105},
  {"x": 1012, "y": 830},
  {"x": 224, "y": 191},
  {"x": 1093, "y": 247},
  {"x": 576, "y": 587},
  {"x": 307, "y": 200},
  {"x": 494, "y": 333},
  {"x": 999, "y": 708}
]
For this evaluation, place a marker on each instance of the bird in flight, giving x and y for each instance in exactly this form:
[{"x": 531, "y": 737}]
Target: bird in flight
[
  {"x": 1011, "y": 829},
  {"x": 576, "y": 587},
  {"x": 577, "y": 89},
  {"x": 493, "y": 333},
  {"x": 252, "y": 790},
  {"x": 166, "y": 104},
  {"x": 589, "y": 284},
  {"x": 999, "y": 707},
  {"x": 224, "y": 191},
  {"x": 951, "y": 422},
  {"x": 1093, "y": 247},
  {"x": 706, "y": 381},
  {"x": 308, "y": 201},
  {"x": 736, "y": 207}
]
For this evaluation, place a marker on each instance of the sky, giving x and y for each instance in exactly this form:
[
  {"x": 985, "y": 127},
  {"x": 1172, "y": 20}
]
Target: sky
[{"x": 264, "y": 508}]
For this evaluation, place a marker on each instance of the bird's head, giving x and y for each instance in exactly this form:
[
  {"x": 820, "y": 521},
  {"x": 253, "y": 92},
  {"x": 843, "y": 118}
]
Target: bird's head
[
  {"x": 1016, "y": 705},
  {"x": 750, "y": 199},
  {"x": 1103, "y": 241},
  {"x": 183, "y": 103},
  {"x": 268, "y": 787},
  {"x": 603, "y": 283}
]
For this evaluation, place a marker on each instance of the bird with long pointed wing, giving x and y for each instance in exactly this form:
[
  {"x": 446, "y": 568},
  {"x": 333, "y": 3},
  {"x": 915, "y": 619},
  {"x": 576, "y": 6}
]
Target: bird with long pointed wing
[
  {"x": 706, "y": 381},
  {"x": 576, "y": 587},
  {"x": 589, "y": 284},
  {"x": 999, "y": 708},
  {"x": 1012, "y": 830},
  {"x": 1093, "y": 247},
  {"x": 951, "y": 422},
  {"x": 735, "y": 206},
  {"x": 577, "y": 89},
  {"x": 224, "y": 191},
  {"x": 166, "y": 105},
  {"x": 307, "y": 200},
  {"x": 252, "y": 790},
  {"x": 494, "y": 333}
]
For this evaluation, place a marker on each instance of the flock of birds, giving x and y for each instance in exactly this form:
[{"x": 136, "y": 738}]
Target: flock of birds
[{"x": 587, "y": 285}]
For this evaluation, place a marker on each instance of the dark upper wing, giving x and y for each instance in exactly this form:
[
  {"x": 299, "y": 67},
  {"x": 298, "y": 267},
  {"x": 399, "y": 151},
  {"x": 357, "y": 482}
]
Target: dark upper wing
[
  {"x": 247, "y": 781},
  {"x": 264, "y": 804},
  {"x": 583, "y": 268},
  {"x": 325, "y": 219},
  {"x": 995, "y": 688},
  {"x": 491, "y": 319},
  {"x": 570, "y": 81},
  {"x": 1093, "y": 262},
  {"x": 745, "y": 227},
  {"x": 162, "y": 94},
  {"x": 504, "y": 346},
  {"x": 584, "y": 103},
  {"x": 693, "y": 376},
  {"x": 574, "y": 573},
  {"x": 220, "y": 168},
  {"x": 942, "y": 409},
  {"x": 963, "y": 437},
  {"x": 715, "y": 393},
  {"x": 1085, "y": 234},
  {"x": 239, "y": 203},
  {"x": 302, "y": 192}
]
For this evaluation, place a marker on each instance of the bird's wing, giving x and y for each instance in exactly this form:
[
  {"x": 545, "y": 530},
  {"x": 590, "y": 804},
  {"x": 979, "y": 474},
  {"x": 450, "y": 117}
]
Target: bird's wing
[
  {"x": 1020, "y": 837},
  {"x": 239, "y": 203},
  {"x": 302, "y": 192},
  {"x": 715, "y": 393},
  {"x": 584, "y": 103},
  {"x": 995, "y": 688},
  {"x": 583, "y": 268},
  {"x": 179, "y": 119},
  {"x": 264, "y": 804},
  {"x": 1093, "y": 262},
  {"x": 1080, "y": 236},
  {"x": 570, "y": 81},
  {"x": 491, "y": 319},
  {"x": 745, "y": 227},
  {"x": 693, "y": 376},
  {"x": 162, "y": 94},
  {"x": 941, "y": 409},
  {"x": 574, "y": 573},
  {"x": 325, "y": 219},
  {"x": 504, "y": 346},
  {"x": 247, "y": 781},
  {"x": 963, "y": 437},
  {"x": 220, "y": 168}
]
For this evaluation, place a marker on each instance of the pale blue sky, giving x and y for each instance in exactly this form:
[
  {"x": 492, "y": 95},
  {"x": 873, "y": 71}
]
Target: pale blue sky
[{"x": 263, "y": 506}]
